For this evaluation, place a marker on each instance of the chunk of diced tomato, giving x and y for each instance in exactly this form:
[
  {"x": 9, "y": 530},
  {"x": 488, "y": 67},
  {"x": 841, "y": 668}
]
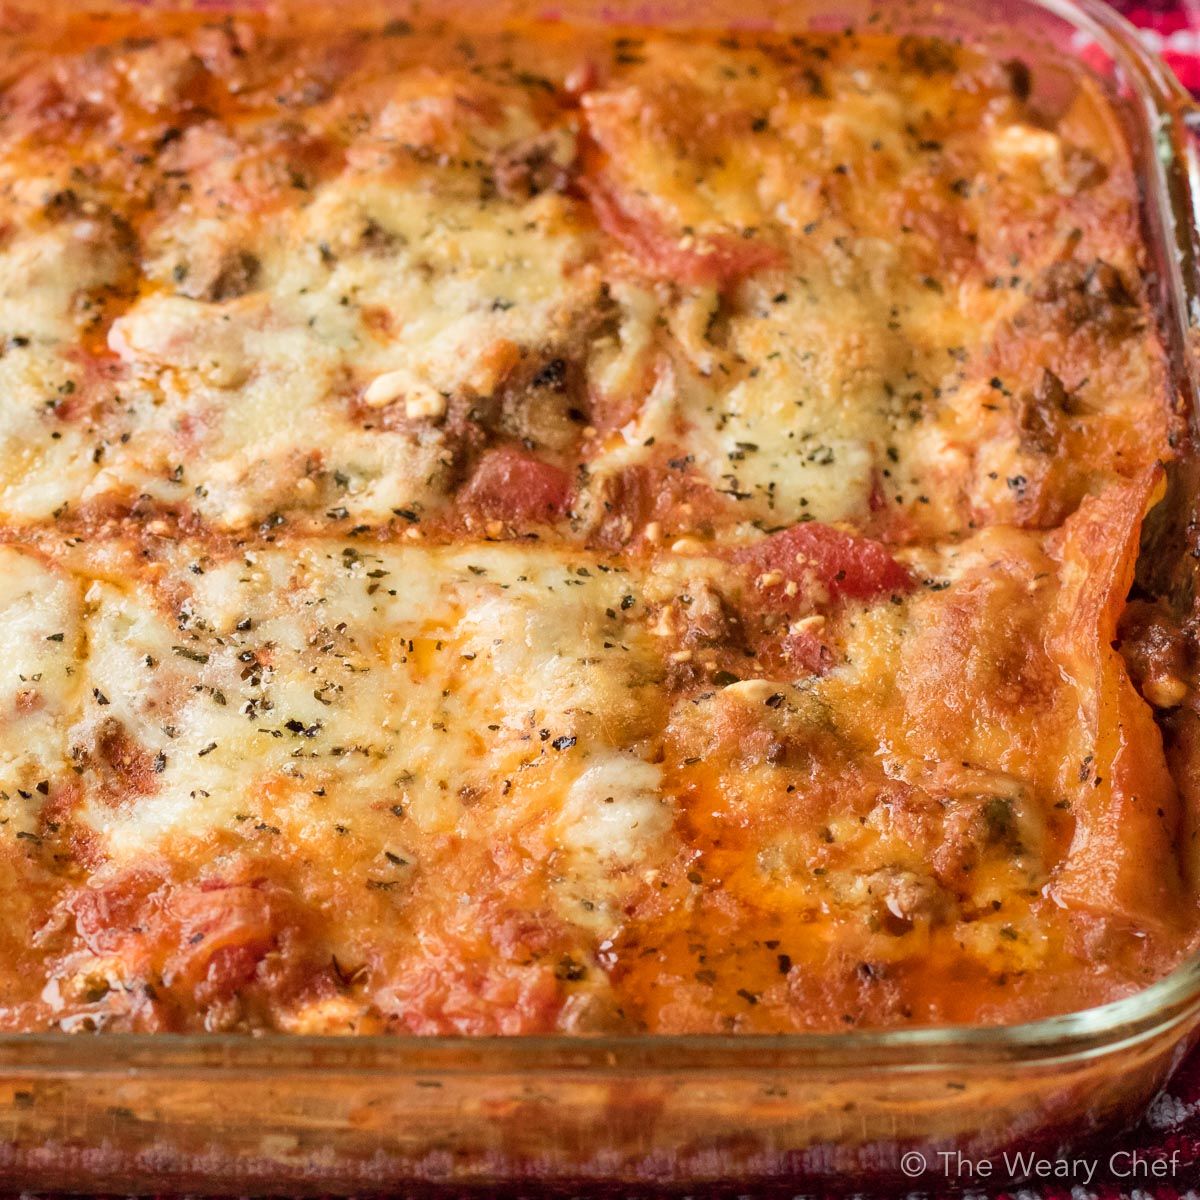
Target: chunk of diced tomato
[
  {"x": 715, "y": 259},
  {"x": 510, "y": 484},
  {"x": 845, "y": 565}
]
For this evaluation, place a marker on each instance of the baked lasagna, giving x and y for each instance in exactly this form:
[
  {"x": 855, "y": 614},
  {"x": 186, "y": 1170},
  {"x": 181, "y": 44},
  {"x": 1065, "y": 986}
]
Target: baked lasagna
[{"x": 510, "y": 528}]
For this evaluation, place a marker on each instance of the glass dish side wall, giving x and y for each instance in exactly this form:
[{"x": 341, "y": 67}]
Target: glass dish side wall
[
  {"x": 157, "y": 1114},
  {"x": 322, "y": 1116}
]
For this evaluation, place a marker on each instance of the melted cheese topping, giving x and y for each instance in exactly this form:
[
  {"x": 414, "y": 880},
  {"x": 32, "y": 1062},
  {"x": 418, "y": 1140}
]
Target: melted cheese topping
[{"x": 537, "y": 529}]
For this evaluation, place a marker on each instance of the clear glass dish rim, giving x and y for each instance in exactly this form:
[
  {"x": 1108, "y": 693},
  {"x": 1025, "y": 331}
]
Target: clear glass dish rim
[{"x": 1100, "y": 1029}]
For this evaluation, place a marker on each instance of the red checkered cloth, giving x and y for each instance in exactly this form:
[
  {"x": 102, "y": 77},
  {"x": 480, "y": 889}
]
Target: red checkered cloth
[{"x": 1172, "y": 27}]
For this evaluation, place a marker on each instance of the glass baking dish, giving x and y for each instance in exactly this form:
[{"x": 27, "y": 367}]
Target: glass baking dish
[{"x": 319, "y": 1115}]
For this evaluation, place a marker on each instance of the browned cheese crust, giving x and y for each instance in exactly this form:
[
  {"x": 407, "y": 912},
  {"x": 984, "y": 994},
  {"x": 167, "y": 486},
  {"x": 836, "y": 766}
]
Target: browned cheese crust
[{"x": 541, "y": 529}]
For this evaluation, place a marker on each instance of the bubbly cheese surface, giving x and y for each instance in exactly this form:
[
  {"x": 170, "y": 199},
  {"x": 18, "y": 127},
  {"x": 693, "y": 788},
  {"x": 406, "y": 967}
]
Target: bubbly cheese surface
[{"x": 530, "y": 529}]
